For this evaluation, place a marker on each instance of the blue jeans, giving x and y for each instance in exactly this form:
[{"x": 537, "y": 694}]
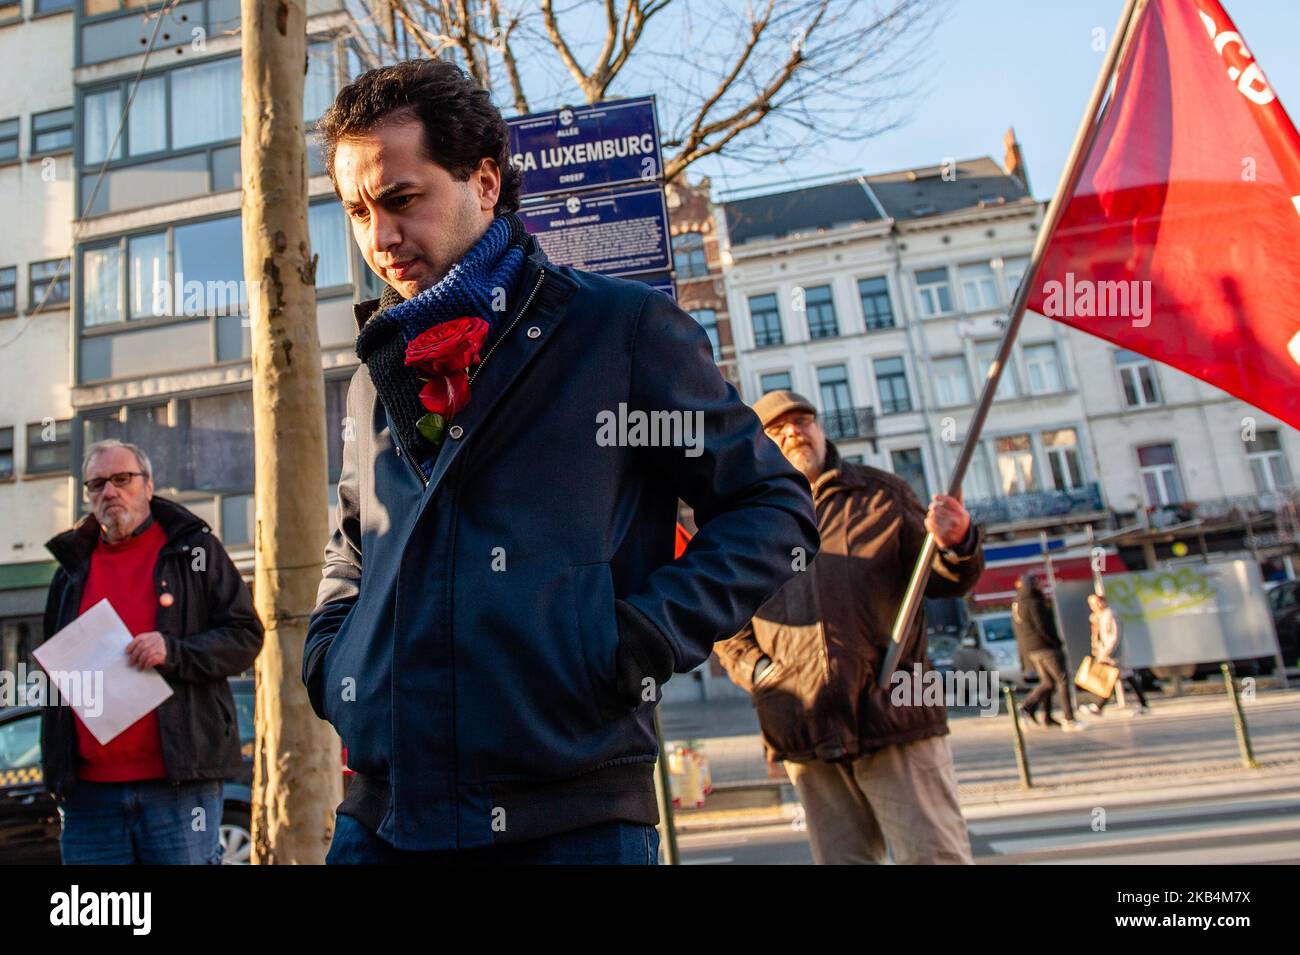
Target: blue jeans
[
  {"x": 606, "y": 843},
  {"x": 151, "y": 823}
]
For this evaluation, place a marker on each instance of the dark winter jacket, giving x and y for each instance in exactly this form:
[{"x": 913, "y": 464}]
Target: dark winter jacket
[
  {"x": 827, "y": 630},
  {"x": 211, "y": 632},
  {"x": 1032, "y": 622},
  {"x": 482, "y": 637}
]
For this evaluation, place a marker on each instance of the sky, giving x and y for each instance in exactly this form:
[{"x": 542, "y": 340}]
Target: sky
[{"x": 1024, "y": 63}]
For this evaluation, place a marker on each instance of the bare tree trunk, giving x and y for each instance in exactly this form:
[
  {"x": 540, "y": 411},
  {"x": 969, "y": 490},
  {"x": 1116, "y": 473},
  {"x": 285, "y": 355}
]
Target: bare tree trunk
[{"x": 297, "y": 778}]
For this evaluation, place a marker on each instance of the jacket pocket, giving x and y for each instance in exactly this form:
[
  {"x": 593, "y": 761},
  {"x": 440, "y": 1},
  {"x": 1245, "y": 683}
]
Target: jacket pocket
[{"x": 592, "y": 589}]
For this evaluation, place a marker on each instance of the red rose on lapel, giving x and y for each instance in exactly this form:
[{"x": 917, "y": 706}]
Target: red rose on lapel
[
  {"x": 448, "y": 348},
  {"x": 445, "y": 394}
]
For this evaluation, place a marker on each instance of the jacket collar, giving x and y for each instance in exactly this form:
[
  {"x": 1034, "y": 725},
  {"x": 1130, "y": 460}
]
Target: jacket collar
[
  {"x": 72, "y": 548},
  {"x": 511, "y": 351},
  {"x": 517, "y": 346}
]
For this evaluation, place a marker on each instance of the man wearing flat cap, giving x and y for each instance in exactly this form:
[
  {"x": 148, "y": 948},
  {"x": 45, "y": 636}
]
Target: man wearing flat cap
[{"x": 872, "y": 768}]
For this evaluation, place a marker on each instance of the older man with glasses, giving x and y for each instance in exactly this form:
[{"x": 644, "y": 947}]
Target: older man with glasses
[
  {"x": 871, "y": 767},
  {"x": 153, "y": 793}
]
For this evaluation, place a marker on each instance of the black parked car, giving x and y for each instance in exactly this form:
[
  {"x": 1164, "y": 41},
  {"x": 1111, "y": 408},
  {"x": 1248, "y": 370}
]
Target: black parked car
[
  {"x": 1284, "y": 603},
  {"x": 29, "y": 821}
]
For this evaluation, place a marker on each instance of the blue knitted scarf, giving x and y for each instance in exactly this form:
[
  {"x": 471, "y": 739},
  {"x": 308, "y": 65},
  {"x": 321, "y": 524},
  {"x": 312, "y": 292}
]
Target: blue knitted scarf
[{"x": 480, "y": 280}]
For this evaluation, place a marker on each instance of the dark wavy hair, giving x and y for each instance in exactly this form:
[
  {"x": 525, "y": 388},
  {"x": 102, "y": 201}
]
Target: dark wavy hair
[{"x": 461, "y": 125}]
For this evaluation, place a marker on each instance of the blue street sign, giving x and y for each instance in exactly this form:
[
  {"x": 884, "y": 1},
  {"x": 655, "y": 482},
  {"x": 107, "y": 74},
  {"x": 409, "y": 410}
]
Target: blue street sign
[
  {"x": 620, "y": 231},
  {"x": 662, "y": 282},
  {"x": 587, "y": 147}
]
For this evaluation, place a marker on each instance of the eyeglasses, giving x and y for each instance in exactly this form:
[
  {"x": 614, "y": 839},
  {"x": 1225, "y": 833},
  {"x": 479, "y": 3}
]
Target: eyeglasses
[
  {"x": 120, "y": 479},
  {"x": 799, "y": 421}
]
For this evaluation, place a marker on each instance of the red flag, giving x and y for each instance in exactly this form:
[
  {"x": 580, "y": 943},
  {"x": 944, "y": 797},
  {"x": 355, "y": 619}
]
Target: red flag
[{"x": 1182, "y": 238}]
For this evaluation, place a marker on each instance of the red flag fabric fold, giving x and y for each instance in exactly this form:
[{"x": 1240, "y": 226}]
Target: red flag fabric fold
[{"x": 1182, "y": 238}]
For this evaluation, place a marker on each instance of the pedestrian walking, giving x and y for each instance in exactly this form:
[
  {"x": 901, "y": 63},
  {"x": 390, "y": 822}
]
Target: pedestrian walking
[
  {"x": 872, "y": 767},
  {"x": 500, "y": 604},
  {"x": 1106, "y": 640},
  {"x": 153, "y": 793},
  {"x": 1040, "y": 646}
]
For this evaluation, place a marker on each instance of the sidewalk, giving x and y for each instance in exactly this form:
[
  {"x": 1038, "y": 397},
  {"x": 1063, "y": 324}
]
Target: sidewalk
[{"x": 1184, "y": 741}]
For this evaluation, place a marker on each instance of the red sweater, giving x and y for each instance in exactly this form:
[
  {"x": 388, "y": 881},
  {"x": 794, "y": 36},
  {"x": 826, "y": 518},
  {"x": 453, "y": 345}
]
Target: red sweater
[{"x": 123, "y": 572}]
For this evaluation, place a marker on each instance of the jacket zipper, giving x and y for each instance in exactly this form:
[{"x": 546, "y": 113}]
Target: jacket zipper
[{"x": 541, "y": 277}]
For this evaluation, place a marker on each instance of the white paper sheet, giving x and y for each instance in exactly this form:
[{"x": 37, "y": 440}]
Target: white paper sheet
[{"x": 87, "y": 661}]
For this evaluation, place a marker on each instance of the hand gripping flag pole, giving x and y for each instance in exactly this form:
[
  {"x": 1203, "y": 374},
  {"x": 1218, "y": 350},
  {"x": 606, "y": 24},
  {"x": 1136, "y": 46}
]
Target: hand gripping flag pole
[{"x": 1083, "y": 141}]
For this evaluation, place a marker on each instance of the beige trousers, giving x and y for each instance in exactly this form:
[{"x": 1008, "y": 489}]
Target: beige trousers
[{"x": 900, "y": 801}]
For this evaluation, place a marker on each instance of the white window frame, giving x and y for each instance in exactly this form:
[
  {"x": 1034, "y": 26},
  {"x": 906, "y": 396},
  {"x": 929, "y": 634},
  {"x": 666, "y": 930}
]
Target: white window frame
[{"x": 1029, "y": 351}]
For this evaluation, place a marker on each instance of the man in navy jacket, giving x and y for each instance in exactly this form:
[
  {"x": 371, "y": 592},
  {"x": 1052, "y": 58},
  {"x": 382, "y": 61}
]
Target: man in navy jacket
[{"x": 500, "y": 604}]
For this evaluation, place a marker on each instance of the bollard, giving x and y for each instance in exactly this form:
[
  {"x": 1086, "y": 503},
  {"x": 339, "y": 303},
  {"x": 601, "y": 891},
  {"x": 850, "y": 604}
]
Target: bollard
[
  {"x": 664, "y": 796},
  {"x": 1022, "y": 758},
  {"x": 1239, "y": 719}
]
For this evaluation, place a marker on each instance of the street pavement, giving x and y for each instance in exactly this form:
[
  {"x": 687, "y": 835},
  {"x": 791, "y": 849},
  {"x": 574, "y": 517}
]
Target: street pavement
[{"x": 1168, "y": 786}]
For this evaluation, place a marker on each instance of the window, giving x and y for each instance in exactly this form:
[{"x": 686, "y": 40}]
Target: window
[
  {"x": 9, "y": 291},
  {"x": 100, "y": 114},
  {"x": 775, "y": 381},
  {"x": 877, "y": 311},
  {"x": 49, "y": 446},
  {"x": 148, "y": 279},
  {"x": 94, "y": 7},
  {"x": 891, "y": 383},
  {"x": 1008, "y": 384},
  {"x": 12, "y": 10},
  {"x": 1013, "y": 270},
  {"x": 1015, "y": 456},
  {"x": 211, "y": 253},
  {"x": 1159, "y": 471},
  {"x": 833, "y": 380},
  {"x": 932, "y": 292},
  {"x": 1043, "y": 368},
  {"x": 321, "y": 82},
  {"x": 979, "y": 289},
  {"x": 1268, "y": 463},
  {"x": 908, "y": 464},
  {"x": 146, "y": 127},
  {"x": 708, "y": 320},
  {"x": 821, "y": 312},
  {"x": 8, "y": 140},
  {"x": 20, "y": 743},
  {"x": 52, "y": 131},
  {"x": 51, "y": 6},
  {"x": 1062, "y": 446},
  {"x": 101, "y": 285},
  {"x": 6, "y": 453},
  {"x": 765, "y": 315},
  {"x": 688, "y": 255},
  {"x": 976, "y": 485},
  {"x": 1137, "y": 376},
  {"x": 47, "y": 283},
  {"x": 205, "y": 103},
  {"x": 330, "y": 242},
  {"x": 951, "y": 385},
  {"x": 838, "y": 418}
]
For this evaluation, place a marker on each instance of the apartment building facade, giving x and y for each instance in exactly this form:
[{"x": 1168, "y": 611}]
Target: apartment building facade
[
  {"x": 37, "y": 182},
  {"x": 148, "y": 338},
  {"x": 883, "y": 299}
]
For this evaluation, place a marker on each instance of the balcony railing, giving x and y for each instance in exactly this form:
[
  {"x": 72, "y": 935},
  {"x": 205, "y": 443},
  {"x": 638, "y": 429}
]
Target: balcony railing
[
  {"x": 1037, "y": 504},
  {"x": 849, "y": 423}
]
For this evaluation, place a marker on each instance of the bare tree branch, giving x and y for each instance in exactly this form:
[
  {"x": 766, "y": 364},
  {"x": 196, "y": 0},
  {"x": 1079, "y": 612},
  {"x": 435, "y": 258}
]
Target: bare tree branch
[{"x": 753, "y": 85}]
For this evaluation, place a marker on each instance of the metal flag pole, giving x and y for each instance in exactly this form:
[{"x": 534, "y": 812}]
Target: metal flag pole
[{"x": 1083, "y": 141}]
